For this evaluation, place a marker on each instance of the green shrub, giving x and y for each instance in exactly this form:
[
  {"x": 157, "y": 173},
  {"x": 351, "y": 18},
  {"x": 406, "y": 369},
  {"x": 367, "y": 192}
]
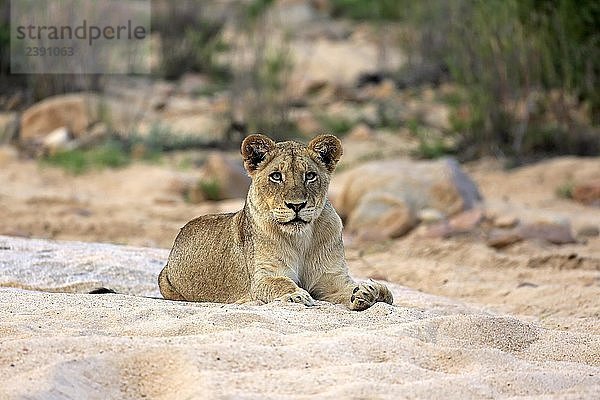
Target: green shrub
[
  {"x": 374, "y": 10},
  {"x": 211, "y": 189},
  {"x": 109, "y": 155},
  {"x": 336, "y": 125},
  {"x": 565, "y": 191},
  {"x": 162, "y": 139},
  {"x": 259, "y": 94},
  {"x": 431, "y": 145},
  {"x": 189, "y": 41},
  {"x": 508, "y": 54}
]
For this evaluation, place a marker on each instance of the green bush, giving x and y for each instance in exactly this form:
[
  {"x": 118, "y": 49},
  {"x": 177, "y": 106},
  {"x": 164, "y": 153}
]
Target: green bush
[
  {"x": 259, "y": 94},
  {"x": 336, "y": 125},
  {"x": 111, "y": 154},
  {"x": 189, "y": 41},
  {"x": 374, "y": 10},
  {"x": 211, "y": 189},
  {"x": 431, "y": 145},
  {"x": 525, "y": 66}
]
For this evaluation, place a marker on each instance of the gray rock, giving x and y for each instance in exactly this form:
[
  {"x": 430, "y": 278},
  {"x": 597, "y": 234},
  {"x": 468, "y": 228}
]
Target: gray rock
[
  {"x": 587, "y": 192},
  {"x": 588, "y": 231},
  {"x": 56, "y": 141},
  {"x": 386, "y": 197},
  {"x": 506, "y": 221},
  {"x": 75, "y": 111},
  {"x": 227, "y": 174},
  {"x": 555, "y": 233}
]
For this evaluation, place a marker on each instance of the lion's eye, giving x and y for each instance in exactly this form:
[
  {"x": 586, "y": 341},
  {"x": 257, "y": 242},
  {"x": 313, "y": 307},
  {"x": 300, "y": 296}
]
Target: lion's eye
[
  {"x": 276, "y": 177},
  {"x": 310, "y": 176}
]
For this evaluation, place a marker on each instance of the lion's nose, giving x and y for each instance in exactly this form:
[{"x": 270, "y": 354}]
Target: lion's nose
[{"x": 296, "y": 206}]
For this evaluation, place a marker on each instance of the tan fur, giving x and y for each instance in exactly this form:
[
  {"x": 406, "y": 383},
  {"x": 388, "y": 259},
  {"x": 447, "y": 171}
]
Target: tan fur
[{"x": 285, "y": 244}]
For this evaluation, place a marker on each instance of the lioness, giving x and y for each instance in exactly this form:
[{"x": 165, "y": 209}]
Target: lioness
[{"x": 285, "y": 244}]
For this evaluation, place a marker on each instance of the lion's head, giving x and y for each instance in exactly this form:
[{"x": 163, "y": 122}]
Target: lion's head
[{"x": 289, "y": 179}]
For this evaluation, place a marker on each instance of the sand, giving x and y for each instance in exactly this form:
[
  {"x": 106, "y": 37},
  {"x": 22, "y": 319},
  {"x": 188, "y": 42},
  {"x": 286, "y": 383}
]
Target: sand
[
  {"x": 476, "y": 322},
  {"x": 75, "y": 345}
]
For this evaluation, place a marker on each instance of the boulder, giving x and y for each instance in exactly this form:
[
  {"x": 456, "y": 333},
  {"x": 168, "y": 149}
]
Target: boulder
[
  {"x": 361, "y": 132},
  {"x": 75, "y": 111},
  {"x": 430, "y": 216},
  {"x": 547, "y": 231},
  {"x": 500, "y": 238},
  {"x": 463, "y": 222},
  {"x": 56, "y": 141},
  {"x": 588, "y": 231},
  {"x": 306, "y": 122},
  {"x": 97, "y": 134},
  {"x": 225, "y": 177},
  {"x": 388, "y": 196},
  {"x": 587, "y": 193},
  {"x": 466, "y": 221},
  {"x": 553, "y": 232},
  {"x": 506, "y": 221},
  {"x": 322, "y": 59}
]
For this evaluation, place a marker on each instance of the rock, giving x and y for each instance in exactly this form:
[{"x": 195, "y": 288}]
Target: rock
[
  {"x": 56, "y": 141},
  {"x": 430, "y": 215},
  {"x": 588, "y": 231},
  {"x": 181, "y": 184},
  {"x": 463, "y": 222},
  {"x": 556, "y": 233},
  {"x": 203, "y": 125},
  {"x": 9, "y": 126},
  {"x": 224, "y": 177},
  {"x": 436, "y": 115},
  {"x": 381, "y": 216},
  {"x": 97, "y": 134},
  {"x": 361, "y": 132},
  {"x": 505, "y": 221},
  {"x": 75, "y": 111},
  {"x": 500, "y": 238},
  {"x": 587, "y": 193},
  {"x": 378, "y": 90},
  {"x": 381, "y": 146},
  {"x": 549, "y": 231},
  {"x": 387, "y": 196},
  {"x": 327, "y": 60},
  {"x": 440, "y": 230},
  {"x": 466, "y": 221},
  {"x": 196, "y": 194},
  {"x": 306, "y": 122}
]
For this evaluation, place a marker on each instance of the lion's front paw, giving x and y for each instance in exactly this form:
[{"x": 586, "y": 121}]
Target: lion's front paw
[
  {"x": 365, "y": 294},
  {"x": 299, "y": 296}
]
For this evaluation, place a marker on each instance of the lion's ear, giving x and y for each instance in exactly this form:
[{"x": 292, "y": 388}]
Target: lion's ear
[
  {"x": 254, "y": 150},
  {"x": 328, "y": 150}
]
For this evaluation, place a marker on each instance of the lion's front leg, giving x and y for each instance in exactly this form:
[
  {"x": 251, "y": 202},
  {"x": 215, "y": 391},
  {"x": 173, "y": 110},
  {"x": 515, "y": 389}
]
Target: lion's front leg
[
  {"x": 341, "y": 289},
  {"x": 269, "y": 283}
]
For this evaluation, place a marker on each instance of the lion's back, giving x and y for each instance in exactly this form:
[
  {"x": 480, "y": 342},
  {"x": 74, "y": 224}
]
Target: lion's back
[{"x": 207, "y": 262}]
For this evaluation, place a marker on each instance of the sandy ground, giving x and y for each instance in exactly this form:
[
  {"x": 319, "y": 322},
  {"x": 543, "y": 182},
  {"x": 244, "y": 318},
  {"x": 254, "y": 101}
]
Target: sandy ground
[
  {"x": 71, "y": 345},
  {"x": 557, "y": 285},
  {"x": 522, "y": 321}
]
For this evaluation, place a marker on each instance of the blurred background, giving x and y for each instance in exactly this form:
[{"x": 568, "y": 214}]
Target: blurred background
[{"x": 470, "y": 130}]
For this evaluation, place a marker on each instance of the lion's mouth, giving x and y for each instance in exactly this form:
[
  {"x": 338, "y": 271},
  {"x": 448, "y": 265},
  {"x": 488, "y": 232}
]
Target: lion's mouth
[{"x": 296, "y": 220}]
